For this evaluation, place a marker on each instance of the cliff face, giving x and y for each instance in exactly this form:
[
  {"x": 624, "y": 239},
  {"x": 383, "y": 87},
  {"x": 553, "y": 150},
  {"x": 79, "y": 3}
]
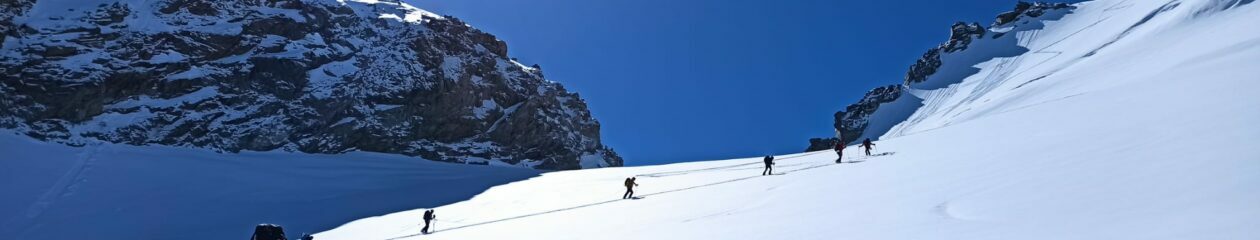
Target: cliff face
[{"x": 316, "y": 76}]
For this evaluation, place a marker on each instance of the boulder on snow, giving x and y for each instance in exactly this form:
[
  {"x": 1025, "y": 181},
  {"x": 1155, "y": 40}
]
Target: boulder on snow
[
  {"x": 816, "y": 144},
  {"x": 268, "y": 232},
  {"x": 1028, "y": 9},
  {"x": 852, "y": 122}
]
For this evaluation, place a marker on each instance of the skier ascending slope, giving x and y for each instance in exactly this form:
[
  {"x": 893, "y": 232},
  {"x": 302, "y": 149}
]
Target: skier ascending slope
[
  {"x": 867, "y": 143},
  {"x": 839, "y": 150},
  {"x": 769, "y": 160},
  {"x": 428, "y": 216},
  {"x": 629, "y": 188}
]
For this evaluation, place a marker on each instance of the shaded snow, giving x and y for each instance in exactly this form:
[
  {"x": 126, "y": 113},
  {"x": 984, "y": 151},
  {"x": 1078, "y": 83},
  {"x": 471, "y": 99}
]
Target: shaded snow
[
  {"x": 324, "y": 79},
  {"x": 192, "y": 97},
  {"x": 196, "y": 72},
  {"x": 110, "y": 191},
  {"x": 487, "y": 106}
]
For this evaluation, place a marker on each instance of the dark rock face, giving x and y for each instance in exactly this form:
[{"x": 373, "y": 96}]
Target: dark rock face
[
  {"x": 960, "y": 37},
  {"x": 817, "y": 144},
  {"x": 268, "y": 232},
  {"x": 1027, "y": 9},
  {"x": 852, "y": 122},
  {"x": 316, "y": 76},
  {"x": 8, "y": 10},
  {"x": 962, "y": 34}
]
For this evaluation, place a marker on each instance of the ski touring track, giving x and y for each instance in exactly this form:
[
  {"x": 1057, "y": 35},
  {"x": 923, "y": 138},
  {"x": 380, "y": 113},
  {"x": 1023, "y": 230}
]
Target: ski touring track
[
  {"x": 65, "y": 186},
  {"x": 808, "y": 166}
]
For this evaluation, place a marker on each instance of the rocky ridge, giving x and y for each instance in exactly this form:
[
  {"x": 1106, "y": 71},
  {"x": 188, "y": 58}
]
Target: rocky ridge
[{"x": 315, "y": 76}]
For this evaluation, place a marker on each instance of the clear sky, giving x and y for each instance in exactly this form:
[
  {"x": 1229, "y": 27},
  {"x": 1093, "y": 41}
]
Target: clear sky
[{"x": 689, "y": 80}]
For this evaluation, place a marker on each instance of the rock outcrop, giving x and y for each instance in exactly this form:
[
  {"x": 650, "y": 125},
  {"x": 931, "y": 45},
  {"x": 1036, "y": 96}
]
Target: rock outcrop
[
  {"x": 316, "y": 76},
  {"x": 816, "y": 144},
  {"x": 962, "y": 34},
  {"x": 960, "y": 37},
  {"x": 853, "y": 121},
  {"x": 1035, "y": 9},
  {"x": 268, "y": 232}
]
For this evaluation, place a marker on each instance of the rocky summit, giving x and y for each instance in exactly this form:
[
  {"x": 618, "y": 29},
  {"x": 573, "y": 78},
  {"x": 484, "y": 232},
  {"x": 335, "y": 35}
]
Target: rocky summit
[{"x": 315, "y": 76}]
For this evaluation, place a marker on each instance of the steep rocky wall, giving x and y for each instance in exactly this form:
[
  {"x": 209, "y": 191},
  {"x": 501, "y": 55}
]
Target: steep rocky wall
[{"x": 316, "y": 76}]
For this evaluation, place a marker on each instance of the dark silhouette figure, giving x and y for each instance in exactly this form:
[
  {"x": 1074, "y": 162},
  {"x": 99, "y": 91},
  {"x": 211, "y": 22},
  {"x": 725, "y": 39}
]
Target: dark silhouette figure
[
  {"x": 629, "y": 188},
  {"x": 867, "y": 143},
  {"x": 428, "y": 216},
  {"x": 839, "y": 150},
  {"x": 769, "y": 160}
]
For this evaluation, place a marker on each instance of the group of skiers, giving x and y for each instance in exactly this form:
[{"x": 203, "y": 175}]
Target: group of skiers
[
  {"x": 866, "y": 143},
  {"x": 630, "y": 184},
  {"x": 768, "y": 160}
]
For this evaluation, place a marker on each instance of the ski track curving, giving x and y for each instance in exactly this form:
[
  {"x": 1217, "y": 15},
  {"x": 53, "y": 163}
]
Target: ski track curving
[{"x": 65, "y": 186}]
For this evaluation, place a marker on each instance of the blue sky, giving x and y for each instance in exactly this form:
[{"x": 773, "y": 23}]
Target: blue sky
[{"x": 675, "y": 81}]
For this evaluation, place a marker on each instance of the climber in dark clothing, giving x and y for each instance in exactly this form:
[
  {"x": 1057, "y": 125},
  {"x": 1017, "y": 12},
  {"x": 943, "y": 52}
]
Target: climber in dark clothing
[
  {"x": 629, "y": 188},
  {"x": 867, "y": 143},
  {"x": 839, "y": 150},
  {"x": 428, "y": 216},
  {"x": 769, "y": 160}
]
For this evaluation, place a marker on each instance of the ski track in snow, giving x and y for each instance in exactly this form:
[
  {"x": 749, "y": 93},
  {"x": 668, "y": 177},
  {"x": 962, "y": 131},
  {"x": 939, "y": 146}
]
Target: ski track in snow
[
  {"x": 641, "y": 196},
  {"x": 682, "y": 172},
  {"x": 64, "y": 187}
]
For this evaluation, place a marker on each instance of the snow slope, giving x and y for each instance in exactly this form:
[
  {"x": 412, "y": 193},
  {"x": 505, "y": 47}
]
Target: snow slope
[
  {"x": 1125, "y": 119},
  {"x": 114, "y": 191}
]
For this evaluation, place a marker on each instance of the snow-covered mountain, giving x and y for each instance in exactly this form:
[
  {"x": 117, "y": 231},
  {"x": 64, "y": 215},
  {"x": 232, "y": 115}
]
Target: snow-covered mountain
[
  {"x": 1107, "y": 119},
  {"x": 968, "y": 44},
  {"x": 315, "y": 76}
]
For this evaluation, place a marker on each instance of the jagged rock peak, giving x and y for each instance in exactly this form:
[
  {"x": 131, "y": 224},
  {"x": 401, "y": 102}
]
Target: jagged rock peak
[
  {"x": 852, "y": 122},
  {"x": 316, "y": 76},
  {"x": 1035, "y": 9},
  {"x": 962, "y": 34}
]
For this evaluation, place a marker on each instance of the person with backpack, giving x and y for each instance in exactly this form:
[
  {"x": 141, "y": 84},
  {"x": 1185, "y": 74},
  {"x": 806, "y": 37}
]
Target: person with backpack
[
  {"x": 839, "y": 150},
  {"x": 769, "y": 160},
  {"x": 428, "y": 216},
  {"x": 629, "y": 188},
  {"x": 867, "y": 143}
]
